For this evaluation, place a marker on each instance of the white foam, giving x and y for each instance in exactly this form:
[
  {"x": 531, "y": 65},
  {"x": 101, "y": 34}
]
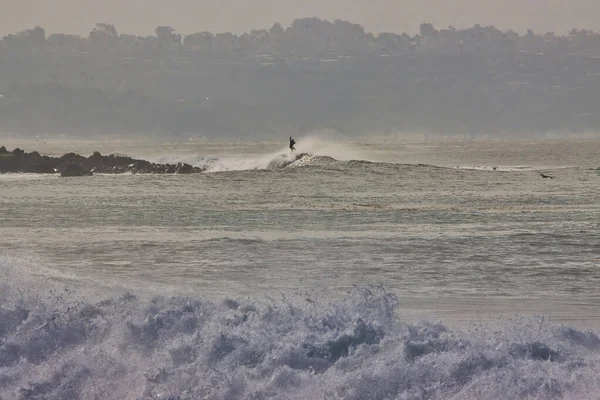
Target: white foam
[
  {"x": 57, "y": 343},
  {"x": 306, "y": 148}
]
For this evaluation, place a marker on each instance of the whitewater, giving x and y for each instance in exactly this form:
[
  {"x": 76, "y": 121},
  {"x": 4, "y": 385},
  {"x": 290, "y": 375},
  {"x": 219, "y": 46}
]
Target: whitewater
[
  {"x": 351, "y": 269},
  {"x": 314, "y": 149}
]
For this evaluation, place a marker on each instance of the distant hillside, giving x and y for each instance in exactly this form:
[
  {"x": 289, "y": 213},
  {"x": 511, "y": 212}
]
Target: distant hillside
[{"x": 312, "y": 75}]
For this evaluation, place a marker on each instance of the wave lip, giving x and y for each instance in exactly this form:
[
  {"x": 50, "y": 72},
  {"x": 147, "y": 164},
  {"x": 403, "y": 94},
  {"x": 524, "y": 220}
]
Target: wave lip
[{"x": 284, "y": 160}]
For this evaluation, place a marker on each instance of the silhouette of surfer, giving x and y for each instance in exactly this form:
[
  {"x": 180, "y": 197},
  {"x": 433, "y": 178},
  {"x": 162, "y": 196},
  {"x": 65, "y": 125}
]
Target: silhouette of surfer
[{"x": 292, "y": 143}]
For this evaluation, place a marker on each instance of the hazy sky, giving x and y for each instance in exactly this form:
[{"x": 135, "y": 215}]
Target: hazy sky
[{"x": 188, "y": 16}]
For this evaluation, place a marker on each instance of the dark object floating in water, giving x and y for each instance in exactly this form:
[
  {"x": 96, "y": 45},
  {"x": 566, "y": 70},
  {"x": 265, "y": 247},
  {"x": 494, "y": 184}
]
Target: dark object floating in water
[
  {"x": 71, "y": 164},
  {"x": 546, "y": 176}
]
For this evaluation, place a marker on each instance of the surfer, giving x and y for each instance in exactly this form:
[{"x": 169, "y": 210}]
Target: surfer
[{"x": 292, "y": 143}]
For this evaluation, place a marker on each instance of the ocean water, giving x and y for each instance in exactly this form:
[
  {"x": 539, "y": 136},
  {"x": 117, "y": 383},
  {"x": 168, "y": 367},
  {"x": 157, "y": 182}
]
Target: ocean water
[{"x": 383, "y": 268}]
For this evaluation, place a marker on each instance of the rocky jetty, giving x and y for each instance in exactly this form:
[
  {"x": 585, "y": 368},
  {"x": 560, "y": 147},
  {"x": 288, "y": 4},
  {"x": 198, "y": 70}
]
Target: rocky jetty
[
  {"x": 75, "y": 170},
  {"x": 71, "y": 164}
]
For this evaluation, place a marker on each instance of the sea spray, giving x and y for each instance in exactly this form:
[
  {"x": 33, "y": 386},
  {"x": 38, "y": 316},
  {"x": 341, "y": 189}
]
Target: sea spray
[
  {"x": 59, "y": 342},
  {"x": 308, "y": 147}
]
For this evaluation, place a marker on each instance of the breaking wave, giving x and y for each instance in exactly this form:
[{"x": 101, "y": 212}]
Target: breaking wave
[
  {"x": 57, "y": 343},
  {"x": 313, "y": 150},
  {"x": 216, "y": 164}
]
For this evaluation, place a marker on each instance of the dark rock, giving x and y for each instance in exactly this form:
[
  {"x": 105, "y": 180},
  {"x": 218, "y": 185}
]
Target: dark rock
[
  {"x": 41, "y": 165},
  {"x": 75, "y": 170},
  {"x": 185, "y": 169},
  {"x": 71, "y": 157},
  {"x": 3, "y": 150},
  {"x": 72, "y": 164}
]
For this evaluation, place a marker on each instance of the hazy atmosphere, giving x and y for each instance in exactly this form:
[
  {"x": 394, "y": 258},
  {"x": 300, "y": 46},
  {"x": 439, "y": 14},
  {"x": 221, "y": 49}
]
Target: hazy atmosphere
[
  {"x": 238, "y": 16},
  {"x": 311, "y": 75},
  {"x": 310, "y": 200}
]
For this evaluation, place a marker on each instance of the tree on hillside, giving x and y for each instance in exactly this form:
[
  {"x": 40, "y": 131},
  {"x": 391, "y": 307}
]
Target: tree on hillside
[
  {"x": 104, "y": 35},
  {"x": 27, "y": 37},
  {"x": 103, "y": 28},
  {"x": 199, "y": 41},
  {"x": 427, "y": 30},
  {"x": 167, "y": 37}
]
